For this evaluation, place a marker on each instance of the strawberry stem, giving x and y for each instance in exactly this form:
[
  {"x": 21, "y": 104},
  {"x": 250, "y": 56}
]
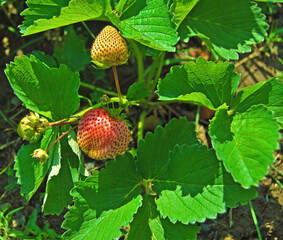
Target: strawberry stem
[
  {"x": 65, "y": 133},
  {"x": 117, "y": 82},
  {"x": 62, "y": 123}
]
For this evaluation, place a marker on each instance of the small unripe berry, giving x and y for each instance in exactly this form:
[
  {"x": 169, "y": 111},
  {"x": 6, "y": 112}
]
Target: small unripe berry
[
  {"x": 32, "y": 127},
  {"x": 40, "y": 155},
  {"x": 109, "y": 48}
]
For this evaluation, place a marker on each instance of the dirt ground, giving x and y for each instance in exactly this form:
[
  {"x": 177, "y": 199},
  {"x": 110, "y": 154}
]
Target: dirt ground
[{"x": 235, "y": 224}]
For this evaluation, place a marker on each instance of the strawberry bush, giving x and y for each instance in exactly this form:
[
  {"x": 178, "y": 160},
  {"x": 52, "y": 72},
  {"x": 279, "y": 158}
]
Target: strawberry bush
[{"x": 169, "y": 183}]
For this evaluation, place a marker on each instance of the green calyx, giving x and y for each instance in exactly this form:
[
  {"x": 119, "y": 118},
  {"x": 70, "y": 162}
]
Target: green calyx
[{"x": 32, "y": 127}]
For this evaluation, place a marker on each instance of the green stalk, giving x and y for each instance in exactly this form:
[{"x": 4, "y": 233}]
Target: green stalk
[
  {"x": 86, "y": 27},
  {"x": 147, "y": 191},
  {"x": 158, "y": 71},
  {"x": 276, "y": 180},
  {"x": 255, "y": 220},
  {"x": 27, "y": 44},
  {"x": 7, "y": 120},
  {"x": 139, "y": 57},
  {"x": 277, "y": 170},
  {"x": 91, "y": 87},
  {"x": 141, "y": 125},
  {"x": 197, "y": 115},
  {"x": 152, "y": 71},
  {"x": 117, "y": 100},
  {"x": 63, "y": 123}
]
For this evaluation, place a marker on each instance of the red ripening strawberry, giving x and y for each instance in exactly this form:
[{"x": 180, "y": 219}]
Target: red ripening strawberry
[{"x": 100, "y": 136}]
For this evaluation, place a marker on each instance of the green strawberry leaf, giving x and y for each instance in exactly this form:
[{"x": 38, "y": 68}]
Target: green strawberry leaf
[
  {"x": 148, "y": 224},
  {"x": 149, "y": 23},
  {"x": 66, "y": 168},
  {"x": 274, "y": 1},
  {"x": 153, "y": 151},
  {"x": 195, "y": 178},
  {"x": 245, "y": 142},
  {"x": 268, "y": 93},
  {"x": 41, "y": 10},
  {"x": 181, "y": 9},
  {"x": 201, "y": 82},
  {"x": 29, "y": 171},
  {"x": 31, "y": 80},
  {"x": 72, "y": 51},
  {"x": 45, "y": 15},
  {"x": 137, "y": 91},
  {"x": 227, "y": 27},
  {"x": 105, "y": 202},
  {"x": 123, "y": 5},
  {"x": 77, "y": 168},
  {"x": 49, "y": 60}
]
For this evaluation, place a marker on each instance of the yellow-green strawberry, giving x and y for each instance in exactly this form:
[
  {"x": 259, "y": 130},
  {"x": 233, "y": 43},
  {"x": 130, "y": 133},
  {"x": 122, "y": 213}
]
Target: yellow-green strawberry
[
  {"x": 109, "y": 48},
  {"x": 32, "y": 127},
  {"x": 102, "y": 137},
  {"x": 40, "y": 155}
]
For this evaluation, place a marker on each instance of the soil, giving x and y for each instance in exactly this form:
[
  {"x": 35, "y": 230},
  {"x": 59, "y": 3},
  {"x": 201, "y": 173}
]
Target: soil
[{"x": 236, "y": 224}]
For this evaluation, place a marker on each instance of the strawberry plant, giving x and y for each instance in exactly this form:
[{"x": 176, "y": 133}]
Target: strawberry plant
[{"x": 169, "y": 183}]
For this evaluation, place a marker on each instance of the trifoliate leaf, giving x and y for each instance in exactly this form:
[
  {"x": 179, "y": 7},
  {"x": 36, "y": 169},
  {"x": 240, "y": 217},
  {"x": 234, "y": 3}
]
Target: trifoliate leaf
[
  {"x": 149, "y": 23},
  {"x": 153, "y": 151},
  {"x": 245, "y": 142},
  {"x": 45, "y": 15},
  {"x": 227, "y": 27},
  {"x": 72, "y": 51},
  {"x": 29, "y": 171},
  {"x": 201, "y": 82},
  {"x": 31, "y": 81},
  {"x": 148, "y": 224},
  {"x": 196, "y": 186},
  {"x": 98, "y": 214},
  {"x": 268, "y": 93}
]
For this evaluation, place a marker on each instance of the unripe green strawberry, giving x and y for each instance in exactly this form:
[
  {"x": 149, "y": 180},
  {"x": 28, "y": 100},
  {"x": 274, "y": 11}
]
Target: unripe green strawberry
[
  {"x": 100, "y": 136},
  {"x": 109, "y": 48},
  {"x": 32, "y": 127},
  {"x": 40, "y": 155}
]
